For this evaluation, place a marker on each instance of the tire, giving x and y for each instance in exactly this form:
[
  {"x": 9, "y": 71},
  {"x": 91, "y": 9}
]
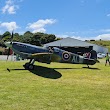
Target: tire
[
  {"x": 26, "y": 65},
  {"x": 31, "y": 67}
]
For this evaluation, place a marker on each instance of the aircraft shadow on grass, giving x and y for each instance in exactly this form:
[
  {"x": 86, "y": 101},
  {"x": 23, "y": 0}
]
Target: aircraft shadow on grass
[
  {"x": 91, "y": 68},
  {"x": 49, "y": 72},
  {"x": 43, "y": 72},
  {"x": 46, "y": 72},
  {"x": 79, "y": 68}
]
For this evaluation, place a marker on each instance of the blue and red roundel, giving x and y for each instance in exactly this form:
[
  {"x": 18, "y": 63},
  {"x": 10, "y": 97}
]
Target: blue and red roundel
[{"x": 66, "y": 56}]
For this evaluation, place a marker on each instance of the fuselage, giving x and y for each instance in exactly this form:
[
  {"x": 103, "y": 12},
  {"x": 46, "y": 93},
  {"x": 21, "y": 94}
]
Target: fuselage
[{"x": 58, "y": 55}]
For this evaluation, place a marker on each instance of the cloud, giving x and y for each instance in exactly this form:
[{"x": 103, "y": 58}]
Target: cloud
[
  {"x": 9, "y": 25},
  {"x": 10, "y": 7},
  {"x": 39, "y": 26},
  {"x": 75, "y": 37},
  {"x": 108, "y": 15},
  {"x": 103, "y": 37}
]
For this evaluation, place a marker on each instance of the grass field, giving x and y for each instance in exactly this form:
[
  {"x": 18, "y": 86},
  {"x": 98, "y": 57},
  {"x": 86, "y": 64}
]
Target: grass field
[{"x": 54, "y": 87}]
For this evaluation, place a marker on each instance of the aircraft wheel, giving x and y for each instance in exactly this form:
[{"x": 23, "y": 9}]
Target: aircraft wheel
[
  {"x": 26, "y": 65},
  {"x": 31, "y": 67}
]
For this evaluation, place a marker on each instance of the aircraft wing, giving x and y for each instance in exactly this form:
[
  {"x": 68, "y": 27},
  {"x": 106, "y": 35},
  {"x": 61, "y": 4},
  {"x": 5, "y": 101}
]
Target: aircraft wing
[
  {"x": 38, "y": 55},
  {"x": 41, "y": 57},
  {"x": 35, "y": 55}
]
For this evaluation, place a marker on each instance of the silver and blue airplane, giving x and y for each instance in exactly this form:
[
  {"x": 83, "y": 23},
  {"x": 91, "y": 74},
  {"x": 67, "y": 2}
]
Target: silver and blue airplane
[{"x": 49, "y": 54}]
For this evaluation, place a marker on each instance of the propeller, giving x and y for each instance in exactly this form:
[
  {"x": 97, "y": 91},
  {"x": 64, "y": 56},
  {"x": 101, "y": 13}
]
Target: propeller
[
  {"x": 8, "y": 53},
  {"x": 11, "y": 39}
]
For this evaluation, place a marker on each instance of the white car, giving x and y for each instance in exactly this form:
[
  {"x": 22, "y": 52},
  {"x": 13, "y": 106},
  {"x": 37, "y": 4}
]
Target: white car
[{"x": 100, "y": 55}]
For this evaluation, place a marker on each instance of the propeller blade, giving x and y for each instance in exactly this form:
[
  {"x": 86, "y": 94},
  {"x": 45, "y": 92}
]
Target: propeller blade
[
  {"x": 11, "y": 37},
  {"x": 8, "y": 53}
]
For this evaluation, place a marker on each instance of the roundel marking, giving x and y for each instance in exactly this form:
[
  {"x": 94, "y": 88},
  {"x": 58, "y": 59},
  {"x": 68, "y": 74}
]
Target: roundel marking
[{"x": 66, "y": 56}]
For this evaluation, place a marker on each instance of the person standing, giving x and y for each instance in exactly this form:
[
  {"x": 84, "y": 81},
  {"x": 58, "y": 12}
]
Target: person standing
[{"x": 107, "y": 59}]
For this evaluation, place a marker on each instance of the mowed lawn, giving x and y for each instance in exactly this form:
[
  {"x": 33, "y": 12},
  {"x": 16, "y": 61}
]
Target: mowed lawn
[{"x": 55, "y": 86}]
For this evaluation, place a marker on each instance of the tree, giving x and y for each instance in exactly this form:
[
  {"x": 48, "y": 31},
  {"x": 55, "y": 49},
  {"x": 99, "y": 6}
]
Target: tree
[
  {"x": 51, "y": 38},
  {"x": 27, "y": 37},
  {"x": 6, "y": 35},
  {"x": 35, "y": 40},
  {"x": 16, "y": 37}
]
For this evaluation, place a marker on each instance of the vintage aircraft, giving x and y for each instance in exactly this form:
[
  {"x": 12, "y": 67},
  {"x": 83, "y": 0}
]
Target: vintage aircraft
[{"x": 49, "y": 54}]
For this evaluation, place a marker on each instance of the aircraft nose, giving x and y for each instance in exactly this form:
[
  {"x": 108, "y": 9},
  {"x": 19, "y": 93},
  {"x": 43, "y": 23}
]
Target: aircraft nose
[{"x": 8, "y": 44}]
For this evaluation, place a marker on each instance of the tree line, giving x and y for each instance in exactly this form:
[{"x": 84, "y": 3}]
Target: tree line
[{"x": 28, "y": 37}]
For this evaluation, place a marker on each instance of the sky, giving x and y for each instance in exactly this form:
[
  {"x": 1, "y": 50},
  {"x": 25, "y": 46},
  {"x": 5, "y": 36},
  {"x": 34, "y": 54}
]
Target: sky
[{"x": 80, "y": 19}]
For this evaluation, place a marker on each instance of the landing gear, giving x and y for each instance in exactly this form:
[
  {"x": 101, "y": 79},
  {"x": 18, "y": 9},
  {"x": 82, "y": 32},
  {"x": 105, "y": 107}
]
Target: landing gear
[
  {"x": 87, "y": 66},
  {"x": 30, "y": 65}
]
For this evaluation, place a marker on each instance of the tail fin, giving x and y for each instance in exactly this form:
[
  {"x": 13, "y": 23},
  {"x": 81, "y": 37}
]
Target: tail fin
[{"x": 91, "y": 58}]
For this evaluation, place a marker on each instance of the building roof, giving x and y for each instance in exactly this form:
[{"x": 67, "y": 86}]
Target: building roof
[{"x": 69, "y": 42}]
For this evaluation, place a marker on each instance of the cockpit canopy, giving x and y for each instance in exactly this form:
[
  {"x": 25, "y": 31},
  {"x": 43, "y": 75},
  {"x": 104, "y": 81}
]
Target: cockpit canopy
[{"x": 56, "y": 50}]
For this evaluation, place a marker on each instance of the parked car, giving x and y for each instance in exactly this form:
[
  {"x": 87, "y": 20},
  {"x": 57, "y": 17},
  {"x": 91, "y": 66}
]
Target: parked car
[{"x": 101, "y": 55}]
